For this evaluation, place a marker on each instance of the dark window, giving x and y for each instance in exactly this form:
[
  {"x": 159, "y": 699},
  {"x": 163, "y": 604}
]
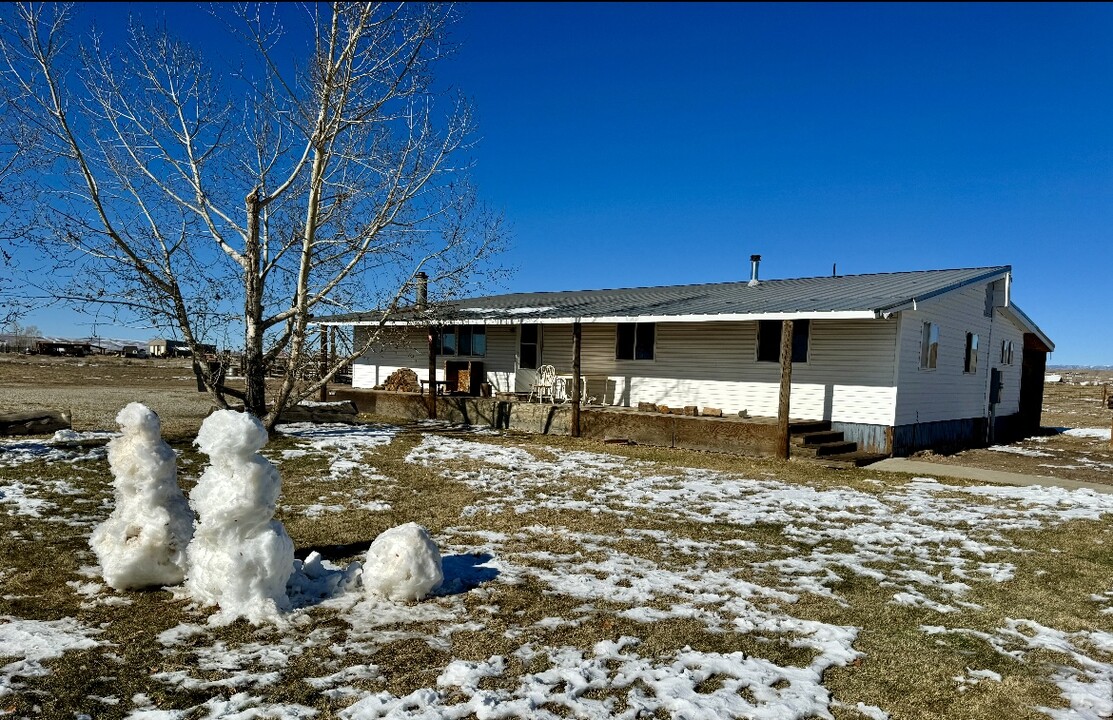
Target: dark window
[
  {"x": 769, "y": 340},
  {"x": 634, "y": 341},
  {"x": 455, "y": 340},
  {"x": 971, "y": 364},
  {"x": 529, "y": 347},
  {"x": 929, "y": 346},
  {"x": 448, "y": 341}
]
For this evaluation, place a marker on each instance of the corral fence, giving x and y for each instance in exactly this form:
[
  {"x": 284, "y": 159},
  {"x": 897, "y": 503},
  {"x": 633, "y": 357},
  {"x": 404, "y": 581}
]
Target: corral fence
[{"x": 1084, "y": 393}]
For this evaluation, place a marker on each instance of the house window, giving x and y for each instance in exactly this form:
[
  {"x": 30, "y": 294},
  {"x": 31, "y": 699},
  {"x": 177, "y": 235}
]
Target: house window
[
  {"x": 929, "y": 346},
  {"x": 529, "y": 347},
  {"x": 1006, "y": 352},
  {"x": 769, "y": 340},
  {"x": 456, "y": 340},
  {"x": 971, "y": 363},
  {"x": 634, "y": 341}
]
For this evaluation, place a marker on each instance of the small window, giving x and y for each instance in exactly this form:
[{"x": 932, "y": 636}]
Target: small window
[
  {"x": 1006, "y": 352},
  {"x": 634, "y": 341},
  {"x": 529, "y": 347},
  {"x": 769, "y": 340},
  {"x": 929, "y": 346},
  {"x": 971, "y": 363}
]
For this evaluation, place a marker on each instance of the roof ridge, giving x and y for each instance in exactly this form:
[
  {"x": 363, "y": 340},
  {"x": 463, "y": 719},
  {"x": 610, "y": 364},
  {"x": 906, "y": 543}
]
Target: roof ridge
[{"x": 723, "y": 283}]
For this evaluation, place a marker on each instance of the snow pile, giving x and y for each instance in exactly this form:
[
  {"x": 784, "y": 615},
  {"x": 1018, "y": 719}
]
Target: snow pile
[
  {"x": 240, "y": 557},
  {"x": 143, "y": 542},
  {"x": 403, "y": 564}
]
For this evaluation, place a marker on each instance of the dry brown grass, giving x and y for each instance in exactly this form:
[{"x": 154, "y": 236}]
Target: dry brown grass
[{"x": 904, "y": 670}]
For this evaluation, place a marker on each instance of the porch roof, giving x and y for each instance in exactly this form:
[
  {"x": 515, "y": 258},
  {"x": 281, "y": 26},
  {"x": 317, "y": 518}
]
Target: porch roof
[{"x": 837, "y": 297}]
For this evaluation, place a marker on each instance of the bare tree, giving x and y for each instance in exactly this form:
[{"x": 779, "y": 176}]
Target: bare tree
[{"x": 255, "y": 198}]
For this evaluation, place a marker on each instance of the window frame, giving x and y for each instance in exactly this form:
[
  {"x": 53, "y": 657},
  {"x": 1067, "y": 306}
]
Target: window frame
[
  {"x": 1007, "y": 350},
  {"x": 642, "y": 348},
  {"x": 801, "y": 328},
  {"x": 929, "y": 341}
]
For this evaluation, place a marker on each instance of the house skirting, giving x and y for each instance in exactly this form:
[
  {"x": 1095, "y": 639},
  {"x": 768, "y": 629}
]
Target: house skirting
[{"x": 754, "y": 436}]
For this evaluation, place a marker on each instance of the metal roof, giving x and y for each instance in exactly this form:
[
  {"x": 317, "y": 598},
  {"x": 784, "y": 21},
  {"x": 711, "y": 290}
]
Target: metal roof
[{"x": 841, "y": 296}]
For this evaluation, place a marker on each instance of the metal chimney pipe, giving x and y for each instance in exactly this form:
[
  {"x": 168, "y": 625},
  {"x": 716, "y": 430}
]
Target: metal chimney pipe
[
  {"x": 755, "y": 260},
  {"x": 422, "y": 291}
]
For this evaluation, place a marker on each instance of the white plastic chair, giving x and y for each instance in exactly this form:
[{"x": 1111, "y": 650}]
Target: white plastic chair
[{"x": 543, "y": 387}]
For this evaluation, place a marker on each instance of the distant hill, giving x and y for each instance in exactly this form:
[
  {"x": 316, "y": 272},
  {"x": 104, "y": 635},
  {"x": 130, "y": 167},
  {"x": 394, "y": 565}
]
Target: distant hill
[{"x": 1080, "y": 367}]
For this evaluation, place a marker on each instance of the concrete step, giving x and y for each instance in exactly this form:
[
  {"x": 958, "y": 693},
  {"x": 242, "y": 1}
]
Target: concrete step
[
  {"x": 827, "y": 449},
  {"x": 817, "y": 438},
  {"x": 851, "y": 459}
]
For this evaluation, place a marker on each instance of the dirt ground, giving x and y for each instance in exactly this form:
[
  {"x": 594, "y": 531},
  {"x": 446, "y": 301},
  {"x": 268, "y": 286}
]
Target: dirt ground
[
  {"x": 1074, "y": 402},
  {"x": 95, "y": 388}
]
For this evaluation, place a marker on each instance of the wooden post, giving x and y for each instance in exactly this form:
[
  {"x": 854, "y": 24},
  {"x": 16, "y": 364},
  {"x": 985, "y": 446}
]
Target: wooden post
[
  {"x": 324, "y": 362},
  {"x": 332, "y": 346},
  {"x": 576, "y": 399},
  {"x": 783, "y": 438},
  {"x": 432, "y": 401}
]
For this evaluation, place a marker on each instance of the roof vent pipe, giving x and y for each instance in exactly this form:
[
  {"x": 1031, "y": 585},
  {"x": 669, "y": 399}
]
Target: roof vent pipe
[
  {"x": 422, "y": 291},
  {"x": 755, "y": 260}
]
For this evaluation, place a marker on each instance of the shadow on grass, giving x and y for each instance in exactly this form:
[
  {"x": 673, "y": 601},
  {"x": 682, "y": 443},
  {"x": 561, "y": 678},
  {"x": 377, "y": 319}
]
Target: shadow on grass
[
  {"x": 461, "y": 572},
  {"x": 464, "y": 572}
]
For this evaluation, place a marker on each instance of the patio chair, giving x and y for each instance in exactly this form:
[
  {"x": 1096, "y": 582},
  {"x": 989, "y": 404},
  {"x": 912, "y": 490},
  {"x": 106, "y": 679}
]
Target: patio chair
[{"x": 543, "y": 386}]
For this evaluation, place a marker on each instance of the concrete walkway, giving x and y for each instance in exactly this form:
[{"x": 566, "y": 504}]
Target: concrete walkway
[{"x": 930, "y": 469}]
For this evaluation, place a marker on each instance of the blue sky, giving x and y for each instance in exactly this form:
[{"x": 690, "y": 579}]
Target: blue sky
[{"x": 651, "y": 144}]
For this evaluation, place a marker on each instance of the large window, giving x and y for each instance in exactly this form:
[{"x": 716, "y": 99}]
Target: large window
[
  {"x": 634, "y": 341},
  {"x": 529, "y": 347},
  {"x": 929, "y": 346},
  {"x": 769, "y": 340},
  {"x": 467, "y": 340},
  {"x": 971, "y": 362}
]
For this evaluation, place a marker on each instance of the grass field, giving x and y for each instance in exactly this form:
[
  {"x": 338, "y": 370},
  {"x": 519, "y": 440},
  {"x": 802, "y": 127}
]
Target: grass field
[{"x": 582, "y": 580}]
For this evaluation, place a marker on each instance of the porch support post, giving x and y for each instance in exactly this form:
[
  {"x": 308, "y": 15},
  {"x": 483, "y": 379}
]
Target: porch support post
[
  {"x": 324, "y": 362},
  {"x": 786, "y": 390},
  {"x": 432, "y": 385},
  {"x": 576, "y": 399}
]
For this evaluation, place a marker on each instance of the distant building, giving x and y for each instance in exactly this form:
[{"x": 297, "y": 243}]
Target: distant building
[
  {"x": 175, "y": 348},
  {"x": 60, "y": 347}
]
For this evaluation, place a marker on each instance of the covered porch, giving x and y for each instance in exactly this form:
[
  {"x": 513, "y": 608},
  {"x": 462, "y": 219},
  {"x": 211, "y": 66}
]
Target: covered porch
[{"x": 753, "y": 436}]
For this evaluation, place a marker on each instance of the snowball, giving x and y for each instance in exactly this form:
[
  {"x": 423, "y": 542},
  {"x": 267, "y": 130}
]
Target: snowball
[
  {"x": 240, "y": 557},
  {"x": 143, "y": 542},
  {"x": 403, "y": 564}
]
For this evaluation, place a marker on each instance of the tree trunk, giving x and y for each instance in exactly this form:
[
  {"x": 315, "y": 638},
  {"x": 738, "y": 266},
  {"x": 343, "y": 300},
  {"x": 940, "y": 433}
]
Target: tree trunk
[{"x": 254, "y": 364}]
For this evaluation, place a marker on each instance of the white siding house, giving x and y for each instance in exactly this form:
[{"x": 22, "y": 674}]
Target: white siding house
[{"x": 896, "y": 361}]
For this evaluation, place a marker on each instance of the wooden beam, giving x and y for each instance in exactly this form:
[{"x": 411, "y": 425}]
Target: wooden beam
[
  {"x": 577, "y": 332},
  {"x": 324, "y": 362},
  {"x": 785, "y": 391},
  {"x": 432, "y": 401}
]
